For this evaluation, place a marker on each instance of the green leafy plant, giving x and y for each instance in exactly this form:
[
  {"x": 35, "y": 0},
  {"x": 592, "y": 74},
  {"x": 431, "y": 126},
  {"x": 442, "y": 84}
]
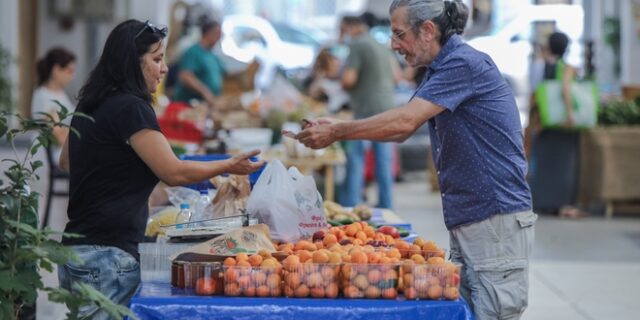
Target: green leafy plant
[
  {"x": 620, "y": 113},
  {"x": 5, "y": 83},
  {"x": 25, "y": 249}
]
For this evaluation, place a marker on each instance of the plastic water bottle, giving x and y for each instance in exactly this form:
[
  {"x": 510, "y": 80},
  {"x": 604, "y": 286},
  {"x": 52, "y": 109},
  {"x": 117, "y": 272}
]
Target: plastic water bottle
[
  {"x": 201, "y": 205},
  {"x": 184, "y": 216}
]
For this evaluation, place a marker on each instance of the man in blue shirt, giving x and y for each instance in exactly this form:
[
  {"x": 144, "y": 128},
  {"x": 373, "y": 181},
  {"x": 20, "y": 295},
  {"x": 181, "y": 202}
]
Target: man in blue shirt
[
  {"x": 477, "y": 148},
  {"x": 200, "y": 71}
]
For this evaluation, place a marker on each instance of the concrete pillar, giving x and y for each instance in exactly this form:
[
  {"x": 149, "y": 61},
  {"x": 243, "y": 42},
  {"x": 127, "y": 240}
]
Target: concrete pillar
[{"x": 630, "y": 42}]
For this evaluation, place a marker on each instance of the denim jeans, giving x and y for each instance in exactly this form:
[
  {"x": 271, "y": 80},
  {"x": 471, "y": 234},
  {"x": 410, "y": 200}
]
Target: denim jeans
[
  {"x": 350, "y": 193},
  {"x": 109, "y": 270}
]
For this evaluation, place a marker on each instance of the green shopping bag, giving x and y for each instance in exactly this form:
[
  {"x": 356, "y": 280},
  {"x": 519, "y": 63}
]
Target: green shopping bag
[{"x": 551, "y": 105}]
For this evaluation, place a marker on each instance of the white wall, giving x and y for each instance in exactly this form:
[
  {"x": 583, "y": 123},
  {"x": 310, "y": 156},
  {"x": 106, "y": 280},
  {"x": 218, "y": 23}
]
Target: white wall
[
  {"x": 630, "y": 43},
  {"x": 9, "y": 36}
]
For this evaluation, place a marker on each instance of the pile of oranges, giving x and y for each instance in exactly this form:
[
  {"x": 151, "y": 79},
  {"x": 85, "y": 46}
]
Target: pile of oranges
[
  {"x": 354, "y": 260},
  {"x": 258, "y": 275}
]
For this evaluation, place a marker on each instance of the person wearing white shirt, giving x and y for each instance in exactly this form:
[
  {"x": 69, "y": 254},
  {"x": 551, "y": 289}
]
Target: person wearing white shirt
[{"x": 55, "y": 71}]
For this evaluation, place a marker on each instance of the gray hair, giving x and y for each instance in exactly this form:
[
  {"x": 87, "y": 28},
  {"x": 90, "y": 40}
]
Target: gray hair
[
  {"x": 419, "y": 11},
  {"x": 450, "y": 16}
]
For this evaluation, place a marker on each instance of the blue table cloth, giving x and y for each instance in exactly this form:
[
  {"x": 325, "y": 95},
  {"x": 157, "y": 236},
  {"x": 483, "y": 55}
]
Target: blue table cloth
[{"x": 160, "y": 301}]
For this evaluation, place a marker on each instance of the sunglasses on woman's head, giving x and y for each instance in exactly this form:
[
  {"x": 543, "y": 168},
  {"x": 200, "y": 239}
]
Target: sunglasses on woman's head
[{"x": 159, "y": 29}]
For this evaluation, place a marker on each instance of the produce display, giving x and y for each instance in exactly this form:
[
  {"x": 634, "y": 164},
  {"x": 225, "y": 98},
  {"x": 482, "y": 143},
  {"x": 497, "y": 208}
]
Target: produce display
[{"x": 350, "y": 261}]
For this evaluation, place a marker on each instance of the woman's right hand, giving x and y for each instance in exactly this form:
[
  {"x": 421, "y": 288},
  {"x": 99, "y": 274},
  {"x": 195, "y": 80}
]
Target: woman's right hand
[{"x": 242, "y": 165}]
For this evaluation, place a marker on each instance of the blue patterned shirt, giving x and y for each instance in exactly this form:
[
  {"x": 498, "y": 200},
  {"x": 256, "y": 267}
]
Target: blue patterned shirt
[{"x": 477, "y": 141}]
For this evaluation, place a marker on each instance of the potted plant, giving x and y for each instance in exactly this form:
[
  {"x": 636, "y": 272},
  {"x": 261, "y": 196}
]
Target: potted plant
[
  {"x": 25, "y": 249},
  {"x": 609, "y": 156}
]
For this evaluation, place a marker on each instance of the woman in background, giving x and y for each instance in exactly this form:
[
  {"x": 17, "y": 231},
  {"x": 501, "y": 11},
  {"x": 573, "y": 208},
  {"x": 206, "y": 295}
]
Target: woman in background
[{"x": 55, "y": 71}]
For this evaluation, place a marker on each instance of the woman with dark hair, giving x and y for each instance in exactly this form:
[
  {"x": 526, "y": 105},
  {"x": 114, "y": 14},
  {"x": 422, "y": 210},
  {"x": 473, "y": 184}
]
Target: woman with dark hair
[
  {"x": 476, "y": 141},
  {"x": 55, "y": 71},
  {"x": 117, "y": 160}
]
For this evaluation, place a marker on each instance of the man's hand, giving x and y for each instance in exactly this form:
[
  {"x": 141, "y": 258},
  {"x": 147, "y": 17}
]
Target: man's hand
[
  {"x": 210, "y": 99},
  {"x": 241, "y": 164},
  {"x": 318, "y": 134}
]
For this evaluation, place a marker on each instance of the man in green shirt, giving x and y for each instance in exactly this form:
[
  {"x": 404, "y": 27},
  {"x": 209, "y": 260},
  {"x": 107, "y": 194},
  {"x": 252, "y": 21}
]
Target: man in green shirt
[{"x": 201, "y": 72}]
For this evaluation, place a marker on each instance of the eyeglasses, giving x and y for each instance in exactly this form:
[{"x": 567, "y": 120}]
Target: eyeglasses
[
  {"x": 159, "y": 29},
  {"x": 399, "y": 36}
]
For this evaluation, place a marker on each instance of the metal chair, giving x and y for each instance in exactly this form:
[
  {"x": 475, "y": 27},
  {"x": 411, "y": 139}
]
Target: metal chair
[{"x": 55, "y": 174}]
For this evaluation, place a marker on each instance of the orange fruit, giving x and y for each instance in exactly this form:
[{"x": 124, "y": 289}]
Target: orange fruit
[
  {"x": 435, "y": 260},
  {"x": 328, "y": 274},
  {"x": 304, "y": 255},
  {"x": 331, "y": 291},
  {"x": 229, "y": 261},
  {"x": 242, "y": 257},
  {"x": 259, "y": 278},
  {"x": 269, "y": 263},
  {"x": 410, "y": 293},
  {"x": 390, "y": 293},
  {"x": 293, "y": 280},
  {"x": 335, "y": 257},
  {"x": 231, "y": 275},
  {"x": 255, "y": 260},
  {"x": 430, "y": 246},
  {"x": 244, "y": 282},
  {"x": 390, "y": 274},
  {"x": 393, "y": 253},
  {"x": 232, "y": 289},
  {"x": 435, "y": 292},
  {"x": 262, "y": 291},
  {"x": 351, "y": 230},
  {"x": 407, "y": 278},
  {"x": 359, "y": 257},
  {"x": 291, "y": 262},
  {"x": 372, "y": 292},
  {"x": 274, "y": 281},
  {"x": 374, "y": 276},
  {"x": 352, "y": 292},
  {"x": 301, "y": 291},
  {"x": 314, "y": 280},
  {"x": 288, "y": 291},
  {"x": 361, "y": 282},
  {"x": 275, "y": 292},
  {"x": 317, "y": 292},
  {"x": 243, "y": 263},
  {"x": 249, "y": 291},
  {"x": 329, "y": 240},
  {"x": 320, "y": 257},
  {"x": 451, "y": 293},
  {"x": 418, "y": 259},
  {"x": 264, "y": 253}
]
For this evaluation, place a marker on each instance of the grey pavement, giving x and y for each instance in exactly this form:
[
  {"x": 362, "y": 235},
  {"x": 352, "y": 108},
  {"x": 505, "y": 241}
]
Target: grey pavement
[{"x": 582, "y": 269}]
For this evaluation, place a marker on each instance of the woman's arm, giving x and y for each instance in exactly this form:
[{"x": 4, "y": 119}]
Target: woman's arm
[
  {"x": 567, "y": 78},
  {"x": 154, "y": 149},
  {"x": 64, "y": 155}
]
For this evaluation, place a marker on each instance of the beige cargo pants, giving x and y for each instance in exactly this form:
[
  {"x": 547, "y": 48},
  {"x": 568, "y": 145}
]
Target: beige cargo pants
[{"x": 494, "y": 254}]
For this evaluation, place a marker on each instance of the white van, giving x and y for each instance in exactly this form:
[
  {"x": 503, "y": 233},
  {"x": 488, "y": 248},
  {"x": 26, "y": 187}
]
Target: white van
[{"x": 511, "y": 44}]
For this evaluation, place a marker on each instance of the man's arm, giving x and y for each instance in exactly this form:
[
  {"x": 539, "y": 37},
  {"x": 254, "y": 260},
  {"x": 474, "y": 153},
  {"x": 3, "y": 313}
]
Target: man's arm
[
  {"x": 349, "y": 79},
  {"x": 64, "y": 156},
  {"x": 393, "y": 125},
  {"x": 192, "y": 82}
]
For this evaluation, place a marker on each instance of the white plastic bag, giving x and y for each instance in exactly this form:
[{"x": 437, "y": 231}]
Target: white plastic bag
[{"x": 288, "y": 202}]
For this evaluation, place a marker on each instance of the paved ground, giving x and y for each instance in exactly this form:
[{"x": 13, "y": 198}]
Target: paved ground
[{"x": 582, "y": 269}]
